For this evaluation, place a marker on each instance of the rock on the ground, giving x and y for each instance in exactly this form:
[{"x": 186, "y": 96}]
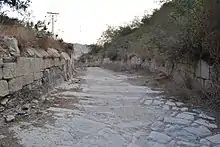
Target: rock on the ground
[
  {"x": 187, "y": 144},
  {"x": 159, "y": 137},
  {"x": 170, "y": 103},
  {"x": 2, "y": 108},
  {"x": 148, "y": 102},
  {"x": 182, "y": 135},
  {"x": 172, "y": 144},
  {"x": 185, "y": 116},
  {"x": 179, "y": 121},
  {"x": 157, "y": 126},
  {"x": 135, "y": 61},
  {"x": 25, "y": 107},
  {"x": 2, "y": 136},
  {"x": 154, "y": 144},
  {"x": 204, "y": 116},
  {"x": 35, "y": 101},
  {"x": 4, "y": 102},
  {"x": 158, "y": 102},
  {"x": 206, "y": 123},
  {"x": 205, "y": 142},
  {"x": 21, "y": 112},
  {"x": 184, "y": 109},
  {"x": 9, "y": 118},
  {"x": 199, "y": 131},
  {"x": 106, "y": 61},
  {"x": 214, "y": 139},
  {"x": 166, "y": 107},
  {"x": 179, "y": 103}
]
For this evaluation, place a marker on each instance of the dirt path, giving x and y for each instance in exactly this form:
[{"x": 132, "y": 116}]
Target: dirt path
[{"x": 105, "y": 110}]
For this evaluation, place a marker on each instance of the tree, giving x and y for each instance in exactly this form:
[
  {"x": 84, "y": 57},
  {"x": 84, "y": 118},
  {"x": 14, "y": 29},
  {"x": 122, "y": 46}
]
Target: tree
[{"x": 16, "y": 4}]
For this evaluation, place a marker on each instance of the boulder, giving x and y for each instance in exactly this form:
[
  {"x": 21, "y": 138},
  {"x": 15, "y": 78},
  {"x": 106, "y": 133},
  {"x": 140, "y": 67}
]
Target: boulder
[
  {"x": 65, "y": 56},
  {"x": 9, "y": 118},
  {"x": 12, "y": 45},
  {"x": 53, "y": 52},
  {"x": 107, "y": 61},
  {"x": 42, "y": 53},
  {"x": 135, "y": 62}
]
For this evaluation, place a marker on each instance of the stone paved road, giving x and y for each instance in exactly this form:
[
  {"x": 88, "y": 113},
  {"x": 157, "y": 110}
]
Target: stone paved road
[{"x": 110, "y": 112}]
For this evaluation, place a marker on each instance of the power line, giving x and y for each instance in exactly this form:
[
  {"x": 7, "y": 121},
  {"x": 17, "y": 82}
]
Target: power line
[{"x": 52, "y": 20}]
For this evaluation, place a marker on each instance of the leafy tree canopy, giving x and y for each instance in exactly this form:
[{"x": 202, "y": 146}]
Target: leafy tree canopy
[{"x": 16, "y": 4}]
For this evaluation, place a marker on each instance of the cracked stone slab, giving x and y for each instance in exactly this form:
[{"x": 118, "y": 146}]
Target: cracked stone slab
[
  {"x": 170, "y": 103},
  {"x": 184, "y": 109},
  {"x": 2, "y": 136},
  {"x": 166, "y": 107},
  {"x": 182, "y": 135},
  {"x": 185, "y": 116},
  {"x": 204, "y": 116},
  {"x": 175, "y": 108},
  {"x": 172, "y": 143},
  {"x": 159, "y": 137},
  {"x": 179, "y": 104},
  {"x": 148, "y": 102},
  {"x": 158, "y": 102},
  {"x": 214, "y": 139},
  {"x": 199, "y": 131},
  {"x": 157, "y": 126},
  {"x": 154, "y": 144},
  {"x": 206, "y": 123},
  {"x": 174, "y": 120},
  {"x": 205, "y": 142},
  {"x": 187, "y": 144}
]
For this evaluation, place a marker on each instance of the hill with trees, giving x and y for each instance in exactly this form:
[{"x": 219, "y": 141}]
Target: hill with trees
[{"x": 178, "y": 30}]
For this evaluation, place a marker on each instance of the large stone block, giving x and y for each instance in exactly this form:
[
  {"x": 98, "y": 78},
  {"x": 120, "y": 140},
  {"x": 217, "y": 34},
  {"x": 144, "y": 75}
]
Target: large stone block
[
  {"x": 36, "y": 53},
  {"x": 57, "y": 62},
  {"x": 37, "y": 64},
  {"x": 3, "y": 88},
  {"x": 46, "y": 63},
  {"x": 202, "y": 70},
  {"x": 23, "y": 66},
  {"x": 30, "y": 52},
  {"x": 65, "y": 56},
  {"x": 15, "y": 84},
  {"x": 42, "y": 53},
  {"x": 38, "y": 75},
  {"x": 53, "y": 53},
  {"x": 135, "y": 61},
  {"x": 63, "y": 61},
  {"x": 1, "y": 61},
  {"x": 1, "y": 73},
  {"x": 9, "y": 70},
  {"x": 12, "y": 44},
  {"x": 52, "y": 62},
  {"x": 28, "y": 79}
]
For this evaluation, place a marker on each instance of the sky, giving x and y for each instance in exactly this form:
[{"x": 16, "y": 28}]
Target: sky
[{"x": 83, "y": 21}]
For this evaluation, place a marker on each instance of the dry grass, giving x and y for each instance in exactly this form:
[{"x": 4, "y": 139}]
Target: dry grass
[
  {"x": 26, "y": 38},
  {"x": 48, "y": 42}
]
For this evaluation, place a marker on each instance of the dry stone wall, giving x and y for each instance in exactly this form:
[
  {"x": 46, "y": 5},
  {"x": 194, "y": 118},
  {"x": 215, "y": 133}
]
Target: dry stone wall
[
  {"x": 200, "y": 74},
  {"x": 36, "y": 69}
]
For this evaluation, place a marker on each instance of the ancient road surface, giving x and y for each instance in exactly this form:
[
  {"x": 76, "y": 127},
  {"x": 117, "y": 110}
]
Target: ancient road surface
[{"x": 105, "y": 110}]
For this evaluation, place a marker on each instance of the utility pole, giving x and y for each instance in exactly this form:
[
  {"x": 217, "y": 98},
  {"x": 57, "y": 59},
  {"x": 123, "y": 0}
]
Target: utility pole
[{"x": 52, "y": 20}]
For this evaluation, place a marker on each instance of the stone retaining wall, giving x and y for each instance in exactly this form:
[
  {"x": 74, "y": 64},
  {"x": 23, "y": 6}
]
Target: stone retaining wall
[
  {"x": 198, "y": 75},
  {"x": 14, "y": 75},
  {"x": 37, "y": 68}
]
